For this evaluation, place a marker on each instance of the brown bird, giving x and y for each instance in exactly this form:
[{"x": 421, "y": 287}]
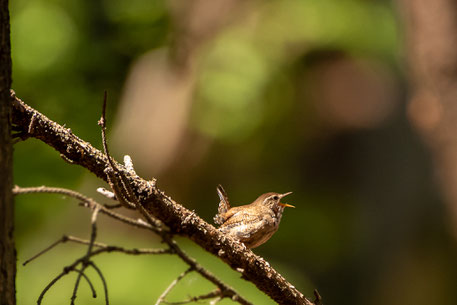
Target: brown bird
[{"x": 252, "y": 224}]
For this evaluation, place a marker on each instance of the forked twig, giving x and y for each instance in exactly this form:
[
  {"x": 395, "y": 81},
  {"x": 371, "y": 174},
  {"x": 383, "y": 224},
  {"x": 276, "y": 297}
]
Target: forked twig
[
  {"x": 105, "y": 287},
  {"x": 109, "y": 248},
  {"x": 112, "y": 172},
  {"x": 65, "y": 271},
  {"x": 171, "y": 286},
  {"x": 102, "y": 248},
  {"x": 94, "y": 293},
  {"x": 86, "y": 258},
  {"x": 42, "y": 252},
  {"x": 88, "y": 202}
]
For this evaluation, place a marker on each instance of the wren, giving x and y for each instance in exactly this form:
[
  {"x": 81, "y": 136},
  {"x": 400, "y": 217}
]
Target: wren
[{"x": 252, "y": 224}]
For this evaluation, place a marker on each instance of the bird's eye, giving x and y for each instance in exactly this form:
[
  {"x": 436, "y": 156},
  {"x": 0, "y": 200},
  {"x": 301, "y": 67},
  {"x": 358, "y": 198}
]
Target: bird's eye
[{"x": 275, "y": 197}]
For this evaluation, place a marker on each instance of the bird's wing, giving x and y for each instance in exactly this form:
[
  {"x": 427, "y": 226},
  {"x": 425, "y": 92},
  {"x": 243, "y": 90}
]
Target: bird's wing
[
  {"x": 231, "y": 215},
  {"x": 247, "y": 224}
]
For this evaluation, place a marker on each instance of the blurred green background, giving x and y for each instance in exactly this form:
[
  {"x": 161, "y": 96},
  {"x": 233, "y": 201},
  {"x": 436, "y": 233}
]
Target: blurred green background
[{"x": 280, "y": 95}]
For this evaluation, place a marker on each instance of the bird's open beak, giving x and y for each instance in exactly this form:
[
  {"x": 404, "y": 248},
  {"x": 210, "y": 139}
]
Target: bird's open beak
[{"x": 285, "y": 204}]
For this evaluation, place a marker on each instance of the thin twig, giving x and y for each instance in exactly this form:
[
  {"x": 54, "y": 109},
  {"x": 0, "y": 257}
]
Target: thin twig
[
  {"x": 213, "y": 294},
  {"x": 102, "y": 248},
  {"x": 93, "y": 234},
  {"x": 109, "y": 248},
  {"x": 43, "y": 251},
  {"x": 113, "y": 174},
  {"x": 226, "y": 290},
  {"x": 56, "y": 190},
  {"x": 117, "y": 189},
  {"x": 124, "y": 190},
  {"x": 85, "y": 262},
  {"x": 171, "y": 286},
  {"x": 102, "y": 124},
  {"x": 105, "y": 287},
  {"x": 94, "y": 293},
  {"x": 65, "y": 271},
  {"x": 85, "y": 259},
  {"x": 89, "y": 202}
]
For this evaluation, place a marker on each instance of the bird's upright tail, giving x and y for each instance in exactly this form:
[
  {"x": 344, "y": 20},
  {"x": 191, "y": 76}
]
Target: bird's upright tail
[{"x": 224, "y": 205}]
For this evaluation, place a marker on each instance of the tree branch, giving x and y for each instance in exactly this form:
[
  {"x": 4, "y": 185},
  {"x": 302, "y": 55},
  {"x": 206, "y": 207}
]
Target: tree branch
[
  {"x": 225, "y": 290},
  {"x": 178, "y": 219}
]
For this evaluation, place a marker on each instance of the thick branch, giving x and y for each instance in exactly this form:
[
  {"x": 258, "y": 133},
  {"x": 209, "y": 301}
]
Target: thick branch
[{"x": 179, "y": 219}]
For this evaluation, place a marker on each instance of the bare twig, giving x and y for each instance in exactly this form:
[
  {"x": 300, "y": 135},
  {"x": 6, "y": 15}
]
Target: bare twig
[
  {"x": 112, "y": 171},
  {"x": 81, "y": 274},
  {"x": 171, "y": 286},
  {"x": 113, "y": 182},
  {"x": 55, "y": 190},
  {"x": 102, "y": 248},
  {"x": 102, "y": 278},
  {"x": 88, "y": 202},
  {"x": 211, "y": 295},
  {"x": 42, "y": 252},
  {"x": 65, "y": 271},
  {"x": 102, "y": 124},
  {"x": 227, "y": 291},
  {"x": 86, "y": 261},
  {"x": 93, "y": 234},
  {"x": 109, "y": 248},
  {"x": 94, "y": 293}
]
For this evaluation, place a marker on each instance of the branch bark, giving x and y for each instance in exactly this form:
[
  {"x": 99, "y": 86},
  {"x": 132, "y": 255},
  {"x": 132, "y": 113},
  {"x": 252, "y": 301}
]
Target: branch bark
[
  {"x": 180, "y": 220},
  {"x": 7, "y": 247}
]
